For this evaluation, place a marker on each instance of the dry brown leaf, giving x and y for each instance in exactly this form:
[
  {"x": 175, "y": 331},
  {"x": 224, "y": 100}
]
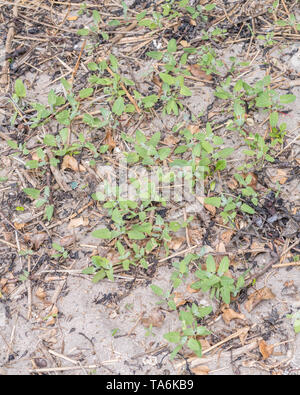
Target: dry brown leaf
[
  {"x": 170, "y": 140},
  {"x": 36, "y": 240},
  {"x": 229, "y": 315},
  {"x": 196, "y": 71},
  {"x": 156, "y": 81},
  {"x": 191, "y": 290},
  {"x": 220, "y": 247},
  {"x": 3, "y": 285},
  {"x": 40, "y": 293},
  {"x": 109, "y": 140},
  {"x": 194, "y": 128},
  {"x": 253, "y": 182},
  {"x": 243, "y": 335},
  {"x": 35, "y": 156},
  {"x": 8, "y": 236},
  {"x": 196, "y": 235},
  {"x": 69, "y": 162},
  {"x": 184, "y": 43},
  {"x": 51, "y": 317},
  {"x": 68, "y": 240},
  {"x": 256, "y": 246},
  {"x": 200, "y": 370},
  {"x": 176, "y": 243},
  {"x": 256, "y": 297},
  {"x": 156, "y": 318},
  {"x": 227, "y": 235},
  {"x": 179, "y": 299},
  {"x": 72, "y": 18},
  {"x": 76, "y": 222},
  {"x": 265, "y": 349},
  {"x": 232, "y": 184},
  {"x": 210, "y": 208},
  {"x": 19, "y": 225},
  {"x": 281, "y": 176}
]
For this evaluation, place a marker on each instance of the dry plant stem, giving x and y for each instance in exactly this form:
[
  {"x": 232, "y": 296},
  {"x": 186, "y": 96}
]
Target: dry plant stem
[
  {"x": 220, "y": 343},
  {"x": 132, "y": 100},
  {"x": 78, "y": 61},
  {"x": 10, "y": 35},
  {"x": 287, "y": 264},
  {"x": 29, "y": 289}
]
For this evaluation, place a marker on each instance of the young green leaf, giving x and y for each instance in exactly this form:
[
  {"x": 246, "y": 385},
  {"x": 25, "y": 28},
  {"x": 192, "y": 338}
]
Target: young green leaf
[
  {"x": 103, "y": 233},
  {"x": 20, "y": 88},
  {"x": 33, "y": 193},
  {"x": 213, "y": 201},
  {"x": 119, "y": 106}
]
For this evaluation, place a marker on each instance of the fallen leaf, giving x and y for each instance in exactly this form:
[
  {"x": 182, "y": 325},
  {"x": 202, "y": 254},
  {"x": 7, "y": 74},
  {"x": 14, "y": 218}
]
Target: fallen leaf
[
  {"x": 196, "y": 235},
  {"x": 229, "y": 315},
  {"x": 51, "y": 317},
  {"x": 256, "y": 297},
  {"x": 281, "y": 176},
  {"x": 156, "y": 318},
  {"x": 36, "y": 239},
  {"x": 200, "y": 370},
  {"x": 40, "y": 293},
  {"x": 210, "y": 208},
  {"x": 257, "y": 247},
  {"x": 184, "y": 43},
  {"x": 8, "y": 236},
  {"x": 232, "y": 184},
  {"x": 204, "y": 343},
  {"x": 194, "y": 129},
  {"x": 109, "y": 140},
  {"x": 265, "y": 349},
  {"x": 253, "y": 181},
  {"x": 198, "y": 73},
  {"x": 220, "y": 247},
  {"x": 69, "y": 162},
  {"x": 76, "y": 222},
  {"x": 191, "y": 290},
  {"x": 72, "y": 18},
  {"x": 227, "y": 235},
  {"x": 19, "y": 225},
  {"x": 179, "y": 299},
  {"x": 156, "y": 80},
  {"x": 68, "y": 240},
  {"x": 171, "y": 140},
  {"x": 291, "y": 228},
  {"x": 243, "y": 334},
  {"x": 176, "y": 243}
]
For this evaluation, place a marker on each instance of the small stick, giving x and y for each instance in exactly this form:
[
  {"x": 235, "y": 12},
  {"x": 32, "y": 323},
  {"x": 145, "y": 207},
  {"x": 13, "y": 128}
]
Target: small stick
[
  {"x": 220, "y": 343},
  {"x": 10, "y": 35},
  {"x": 56, "y": 354},
  {"x": 63, "y": 369},
  {"x": 126, "y": 91},
  {"x": 29, "y": 290},
  {"x": 78, "y": 61},
  {"x": 287, "y": 264},
  {"x": 179, "y": 253},
  {"x": 186, "y": 229}
]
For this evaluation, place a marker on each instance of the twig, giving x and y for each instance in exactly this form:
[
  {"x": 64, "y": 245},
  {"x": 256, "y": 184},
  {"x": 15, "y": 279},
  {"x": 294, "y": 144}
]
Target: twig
[
  {"x": 286, "y": 264},
  {"x": 78, "y": 61},
  {"x": 29, "y": 290},
  {"x": 179, "y": 253},
  {"x": 63, "y": 369},
  {"x": 10, "y": 35},
  {"x": 220, "y": 343}
]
